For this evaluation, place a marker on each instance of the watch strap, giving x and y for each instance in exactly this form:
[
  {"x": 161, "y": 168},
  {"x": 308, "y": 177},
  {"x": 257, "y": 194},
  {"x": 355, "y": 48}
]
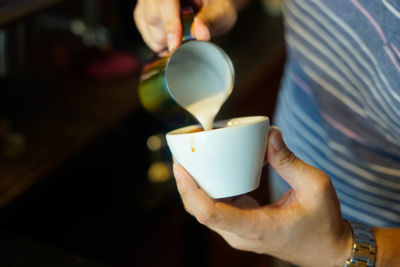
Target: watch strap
[{"x": 364, "y": 248}]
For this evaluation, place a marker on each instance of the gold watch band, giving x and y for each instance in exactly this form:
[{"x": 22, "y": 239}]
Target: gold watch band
[{"x": 364, "y": 248}]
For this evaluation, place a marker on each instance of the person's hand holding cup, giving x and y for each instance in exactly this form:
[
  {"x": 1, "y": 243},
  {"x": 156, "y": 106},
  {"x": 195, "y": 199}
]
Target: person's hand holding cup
[{"x": 304, "y": 227}]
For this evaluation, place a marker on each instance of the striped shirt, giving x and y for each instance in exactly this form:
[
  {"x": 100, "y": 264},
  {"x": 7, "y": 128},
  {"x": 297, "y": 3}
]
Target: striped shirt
[{"x": 339, "y": 103}]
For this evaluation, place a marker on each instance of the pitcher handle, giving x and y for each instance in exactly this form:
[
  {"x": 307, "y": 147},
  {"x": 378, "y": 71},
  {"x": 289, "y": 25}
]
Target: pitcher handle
[{"x": 187, "y": 17}]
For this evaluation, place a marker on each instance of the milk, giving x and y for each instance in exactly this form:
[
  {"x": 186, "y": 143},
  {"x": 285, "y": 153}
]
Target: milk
[
  {"x": 206, "y": 109},
  {"x": 200, "y": 78},
  {"x": 202, "y": 93}
]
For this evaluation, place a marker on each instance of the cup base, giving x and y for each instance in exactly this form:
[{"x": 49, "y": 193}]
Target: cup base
[{"x": 222, "y": 196}]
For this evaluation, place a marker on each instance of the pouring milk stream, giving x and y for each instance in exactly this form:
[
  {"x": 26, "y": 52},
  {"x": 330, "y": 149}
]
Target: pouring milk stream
[
  {"x": 200, "y": 77},
  {"x": 206, "y": 109}
]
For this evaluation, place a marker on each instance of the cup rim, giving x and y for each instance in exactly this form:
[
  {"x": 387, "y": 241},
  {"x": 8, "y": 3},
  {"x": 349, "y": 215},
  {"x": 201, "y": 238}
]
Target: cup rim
[{"x": 249, "y": 120}]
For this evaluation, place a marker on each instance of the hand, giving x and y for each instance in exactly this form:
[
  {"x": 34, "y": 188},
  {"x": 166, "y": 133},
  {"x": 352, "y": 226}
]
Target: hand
[
  {"x": 159, "y": 21},
  {"x": 304, "y": 227}
]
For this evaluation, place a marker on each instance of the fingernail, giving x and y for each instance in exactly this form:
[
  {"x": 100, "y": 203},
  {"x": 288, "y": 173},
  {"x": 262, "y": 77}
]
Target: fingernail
[
  {"x": 172, "y": 42},
  {"x": 164, "y": 53},
  {"x": 276, "y": 139}
]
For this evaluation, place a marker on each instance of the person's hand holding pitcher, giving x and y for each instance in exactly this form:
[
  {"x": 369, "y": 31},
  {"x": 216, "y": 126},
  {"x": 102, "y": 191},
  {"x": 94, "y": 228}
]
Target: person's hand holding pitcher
[{"x": 159, "y": 22}]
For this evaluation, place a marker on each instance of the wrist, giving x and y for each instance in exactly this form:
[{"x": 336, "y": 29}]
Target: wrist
[
  {"x": 345, "y": 245},
  {"x": 334, "y": 251}
]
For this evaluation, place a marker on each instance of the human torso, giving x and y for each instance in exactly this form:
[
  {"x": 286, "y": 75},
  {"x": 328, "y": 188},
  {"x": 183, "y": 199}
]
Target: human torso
[{"x": 339, "y": 105}]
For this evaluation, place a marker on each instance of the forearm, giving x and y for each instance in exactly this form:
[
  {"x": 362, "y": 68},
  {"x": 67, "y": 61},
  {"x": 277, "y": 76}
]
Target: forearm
[{"x": 387, "y": 246}]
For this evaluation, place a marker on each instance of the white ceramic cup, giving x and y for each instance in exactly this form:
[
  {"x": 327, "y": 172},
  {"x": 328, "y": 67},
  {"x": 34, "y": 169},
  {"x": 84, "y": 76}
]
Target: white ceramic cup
[{"x": 226, "y": 161}]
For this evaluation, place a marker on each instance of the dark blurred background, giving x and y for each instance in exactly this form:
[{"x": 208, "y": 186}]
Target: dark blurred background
[{"x": 85, "y": 175}]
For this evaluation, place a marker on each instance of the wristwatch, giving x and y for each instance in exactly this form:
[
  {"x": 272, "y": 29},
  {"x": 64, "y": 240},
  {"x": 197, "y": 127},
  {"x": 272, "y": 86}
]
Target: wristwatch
[{"x": 364, "y": 248}]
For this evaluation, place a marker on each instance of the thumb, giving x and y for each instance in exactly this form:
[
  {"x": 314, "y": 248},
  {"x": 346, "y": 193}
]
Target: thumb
[
  {"x": 201, "y": 30},
  {"x": 298, "y": 174},
  {"x": 214, "y": 18}
]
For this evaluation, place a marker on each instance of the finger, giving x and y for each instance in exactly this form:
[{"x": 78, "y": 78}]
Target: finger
[
  {"x": 147, "y": 20},
  {"x": 201, "y": 30},
  {"x": 191, "y": 193},
  {"x": 217, "y": 16},
  {"x": 217, "y": 215},
  {"x": 170, "y": 14},
  {"x": 151, "y": 13},
  {"x": 155, "y": 25},
  {"x": 153, "y": 40},
  {"x": 242, "y": 201},
  {"x": 237, "y": 241},
  {"x": 157, "y": 36},
  {"x": 298, "y": 174}
]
